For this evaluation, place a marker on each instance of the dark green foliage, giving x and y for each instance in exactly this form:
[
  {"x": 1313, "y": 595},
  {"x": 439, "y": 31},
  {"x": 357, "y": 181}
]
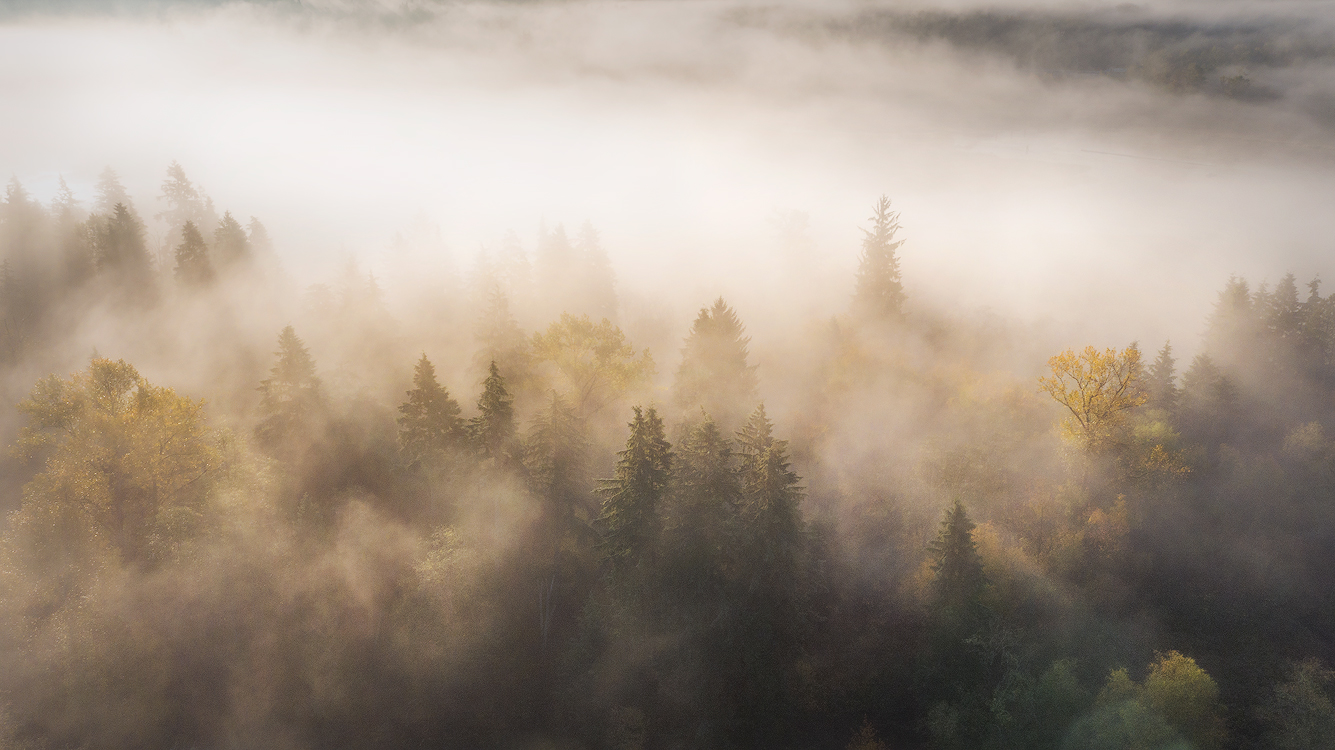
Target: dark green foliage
[
  {"x": 632, "y": 500},
  {"x": 771, "y": 574},
  {"x": 493, "y": 430},
  {"x": 192, "y": 257},
  {"x": 714, "y": 374},
  {"x": 290, "y": 398},
  {"x": 430, "y": 427},
  {"x": 879, "y": 294},
  {"x": 959, "y": 581}
]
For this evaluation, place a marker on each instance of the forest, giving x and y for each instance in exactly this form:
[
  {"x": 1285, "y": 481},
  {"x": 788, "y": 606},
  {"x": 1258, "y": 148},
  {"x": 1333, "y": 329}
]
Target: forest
[{"x": 247, "y": 512}]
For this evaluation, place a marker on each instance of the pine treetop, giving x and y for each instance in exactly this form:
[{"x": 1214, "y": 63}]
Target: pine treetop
[
  {"x": 879, "y": 293},
  {"x": 494, "y": 427},
  {"x": 632, "y": 499},
  {"x": 430, "y": 424}
]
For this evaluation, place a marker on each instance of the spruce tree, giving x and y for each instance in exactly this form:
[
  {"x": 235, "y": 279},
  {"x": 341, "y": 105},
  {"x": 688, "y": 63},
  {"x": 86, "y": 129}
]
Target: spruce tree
[
  {"x": 258, "y": 237},
  {"x": 119, "y": 251},
  {"x": 557, "y": 453},
  {"x": 878, "y": 296},
  {"x": 633, "y": 498},
  {"x": 960, "y": 582},
  {"x": 290, "y": 396},
  {"x": 111, "y": 193},
  {"x": 714, "y": 374},
  {"x": 1161, "y": 380},
  {"x": 772, "y": 585},
  {"x": 192, "y": 257},
  {"x": 185, "y": 203},
  {"x": 231, "y": 247},
  {"x": 493, "y": 430},
  {"x": 430, "y": 426}
]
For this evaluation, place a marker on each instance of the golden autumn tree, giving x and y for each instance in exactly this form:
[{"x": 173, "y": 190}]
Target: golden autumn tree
[
  {"x": 1097, "y": 388},
  {"x": 125, "y": 463},
  {"x": 593, "y": 363}
]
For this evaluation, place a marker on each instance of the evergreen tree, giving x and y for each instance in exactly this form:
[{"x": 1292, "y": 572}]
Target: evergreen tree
[
  {"x": 290, "y": 396},
  {"x": 558, "y": 466},
  {"x": 111, "y": 193},
  {"x": 1161, "y": 380},
  {"x": 879, "y": 294},
  {"x": 772, "y": 583},
  {"x": 500, "y": 340},
  {"x": 258, "y": 237},
  {"x": 120, "y": 253},
  {"x": 493, "y": 429},
  {"x": 231, "y": 247},
  {"x": 960, "y": 582},
  {"x": 714, "y": 374},
  {"x": 430, "y": 426},
  {"x": 192, "y": 257},
  {"x": 633, "y": 498},
  {"x": 185, "y": 203},
  {"x": 64, "y": 206}
]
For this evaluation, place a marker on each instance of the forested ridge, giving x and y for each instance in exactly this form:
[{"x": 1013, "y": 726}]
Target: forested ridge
[{"x": 249, "y": 512}]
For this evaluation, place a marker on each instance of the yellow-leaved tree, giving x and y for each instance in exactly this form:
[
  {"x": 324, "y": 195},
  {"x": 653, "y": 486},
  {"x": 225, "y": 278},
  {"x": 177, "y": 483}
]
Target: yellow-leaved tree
[
  {"x": 1097, "y": 388},
  {"x": 125, "y": 463},
  {"x": 593, "y": 364}
]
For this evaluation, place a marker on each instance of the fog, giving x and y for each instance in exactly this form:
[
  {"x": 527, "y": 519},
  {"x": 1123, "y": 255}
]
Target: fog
[
  {"x": 680, "y": 129},
  {"x": 659, "y": 374}
]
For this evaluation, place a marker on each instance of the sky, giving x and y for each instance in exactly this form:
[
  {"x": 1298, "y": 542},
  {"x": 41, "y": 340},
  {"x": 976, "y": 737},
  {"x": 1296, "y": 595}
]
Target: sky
[{"x": 1035, "y": 178}]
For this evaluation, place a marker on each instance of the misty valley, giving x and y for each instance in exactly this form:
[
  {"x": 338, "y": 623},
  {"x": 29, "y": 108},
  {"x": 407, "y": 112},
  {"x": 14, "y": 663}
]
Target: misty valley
[{"x": 248, "y": 512}]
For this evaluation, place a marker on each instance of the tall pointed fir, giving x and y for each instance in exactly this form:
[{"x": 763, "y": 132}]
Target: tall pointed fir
[
  {"x": 714, "y": 374},
  {"x": 1161, "y": 380},
  {"x": 878, "y": 296},
  {"x": 121, "y": 254},
  {"x": 111, "y": 193},
  {"x": 493, "y": 430},
  {"x": 959, "y": 582},
  {"x": 289, "y": 398},
  {"x": 231, "y": 246},
  {"x": 430, "y": 428},
  {"x": 558, "y": 466},
  {"x": 772, "y": 580},
  {"x": 192, "y": 257},
  {"x": 632, "y": 500}
]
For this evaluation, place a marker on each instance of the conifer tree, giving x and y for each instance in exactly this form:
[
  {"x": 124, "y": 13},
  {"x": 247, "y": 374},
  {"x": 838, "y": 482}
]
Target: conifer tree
[
  {"x": 290, "y": 396},
  {"x": 708, "y": 491},
  {"x": 960, "y": 582},
  {"x": 493, "y": 429},
  {"x": 231, "y": 247},
  {"x": 119, "y": 252},
  {"x": 500, "y": 340},
  {"x": 430, "y": 426},
  {"x": 258, "y": 237},
  {"x": 633, "y": 498},
  {"x": 714, "y": 374},
  {"x": 558, "y": 465},
  {"x": 879, "y": 294},
  {"x": 772, "y": 585},
  {"x": 185, "y": 203},
  {"x": 1161, "y": 380},
  {"x": 192, "y": 257},
  {"x": 111, "y": 193}
]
